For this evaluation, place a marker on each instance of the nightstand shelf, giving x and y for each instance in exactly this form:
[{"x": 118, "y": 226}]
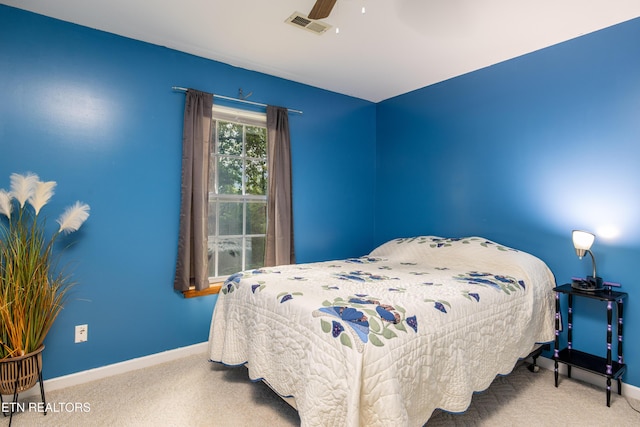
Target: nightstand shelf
[
  {"x": 589, "y": 362},
  {"x": 606, "y": 367}
]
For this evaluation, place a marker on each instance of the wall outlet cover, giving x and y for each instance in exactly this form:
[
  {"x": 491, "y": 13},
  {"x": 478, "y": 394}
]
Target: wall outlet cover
[{"x": 82, "y": 332}]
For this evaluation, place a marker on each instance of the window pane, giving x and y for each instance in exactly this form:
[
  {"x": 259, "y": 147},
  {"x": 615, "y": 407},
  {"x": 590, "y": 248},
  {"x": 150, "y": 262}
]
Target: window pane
[
  {"x": 256, "y": 177},
  {"x": 211, "y": 224},
  {"x": 230, "y": 218},
  {"x": 229, "y": 175},
  {"x": 256, "y": 218},
  {"x": 229, "y": 256},
  {"x": 255, "y": 252},
  {"x": 256, "y": 142},
  {"x": 211, "y": 256},
  {"x": 212, "y": 174},
  {"x": 229, "y": 138}
]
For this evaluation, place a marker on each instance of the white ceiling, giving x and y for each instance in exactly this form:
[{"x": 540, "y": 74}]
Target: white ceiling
[{"x": 395, "y": 47}]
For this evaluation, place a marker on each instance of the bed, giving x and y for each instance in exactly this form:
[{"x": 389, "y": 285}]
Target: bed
[{"x": 418, "y": 324}]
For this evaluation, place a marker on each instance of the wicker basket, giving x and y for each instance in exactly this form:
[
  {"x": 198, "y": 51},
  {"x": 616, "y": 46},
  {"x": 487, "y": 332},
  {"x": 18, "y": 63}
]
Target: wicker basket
[{"x": 29, "y": 367}]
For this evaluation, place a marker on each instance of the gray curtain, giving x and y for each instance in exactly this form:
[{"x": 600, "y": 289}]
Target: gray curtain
[
  {"x": 279, "y": 245},
  {"x": 192, "y": 264}
]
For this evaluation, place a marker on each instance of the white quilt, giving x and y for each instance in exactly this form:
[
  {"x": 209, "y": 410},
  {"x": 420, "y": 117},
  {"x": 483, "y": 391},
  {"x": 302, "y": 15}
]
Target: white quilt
[{"x": 385, "y": 339}]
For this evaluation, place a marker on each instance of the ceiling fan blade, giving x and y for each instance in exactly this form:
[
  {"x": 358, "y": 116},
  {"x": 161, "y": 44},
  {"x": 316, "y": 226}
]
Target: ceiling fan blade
[{"x": 321, "y": 9}]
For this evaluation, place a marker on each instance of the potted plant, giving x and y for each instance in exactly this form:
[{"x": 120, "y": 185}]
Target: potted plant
[{"x": 32, "y": 289}]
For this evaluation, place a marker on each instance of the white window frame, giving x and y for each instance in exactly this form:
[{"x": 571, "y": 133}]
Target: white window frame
[{"x": 248, "y": 118}]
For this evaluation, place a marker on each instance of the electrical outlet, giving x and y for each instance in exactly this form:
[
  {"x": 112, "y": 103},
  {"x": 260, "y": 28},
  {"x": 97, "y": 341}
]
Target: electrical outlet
[{"x": 82, "y": 333}]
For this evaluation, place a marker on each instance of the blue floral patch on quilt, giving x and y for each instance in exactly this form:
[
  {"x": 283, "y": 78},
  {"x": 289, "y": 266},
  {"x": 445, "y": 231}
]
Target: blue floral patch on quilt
[{"x": 365, "y": 319}]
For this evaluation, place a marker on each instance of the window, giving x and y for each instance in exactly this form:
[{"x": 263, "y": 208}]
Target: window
[{"x": 237, "y": 192}]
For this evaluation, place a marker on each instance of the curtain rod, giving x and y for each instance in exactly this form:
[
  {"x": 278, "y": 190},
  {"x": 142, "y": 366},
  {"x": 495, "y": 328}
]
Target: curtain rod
[{"x": 228, "y": 98}]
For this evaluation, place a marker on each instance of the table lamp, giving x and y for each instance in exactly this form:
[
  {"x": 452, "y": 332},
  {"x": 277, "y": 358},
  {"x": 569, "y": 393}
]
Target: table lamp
[{"x": 582, "y": 241}]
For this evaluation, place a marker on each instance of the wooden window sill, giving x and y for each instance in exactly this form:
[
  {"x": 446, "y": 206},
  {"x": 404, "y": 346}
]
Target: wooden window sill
[{"x": 214, "y": 288}]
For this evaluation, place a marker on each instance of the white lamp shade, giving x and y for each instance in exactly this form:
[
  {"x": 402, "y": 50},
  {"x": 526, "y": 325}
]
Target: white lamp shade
[{"x": 583, "y": 240}]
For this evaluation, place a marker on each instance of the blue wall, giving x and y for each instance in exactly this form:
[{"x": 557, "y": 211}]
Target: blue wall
[
  {"x": 95, "y": 112},
  {"x": 523, "y": 152}
]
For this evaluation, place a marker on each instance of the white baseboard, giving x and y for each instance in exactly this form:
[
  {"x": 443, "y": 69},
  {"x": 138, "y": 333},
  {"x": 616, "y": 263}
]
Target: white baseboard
[
  {"x": 116, "y": 368},
  {"x": 594, "y": 379}
]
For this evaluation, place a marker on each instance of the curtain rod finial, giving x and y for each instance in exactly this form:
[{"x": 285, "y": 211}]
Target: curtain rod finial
[{"x": 242, "y": 96}]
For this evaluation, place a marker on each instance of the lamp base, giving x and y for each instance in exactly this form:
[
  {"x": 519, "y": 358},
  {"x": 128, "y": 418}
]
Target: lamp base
[{"x": 591, "y": 284}]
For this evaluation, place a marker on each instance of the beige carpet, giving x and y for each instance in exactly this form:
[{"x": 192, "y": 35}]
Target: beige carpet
[{"x": 195, "y": 392}]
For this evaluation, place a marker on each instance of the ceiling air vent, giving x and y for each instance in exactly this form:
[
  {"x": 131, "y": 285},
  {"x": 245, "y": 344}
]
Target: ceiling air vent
[{"x": 300, "y": 20}]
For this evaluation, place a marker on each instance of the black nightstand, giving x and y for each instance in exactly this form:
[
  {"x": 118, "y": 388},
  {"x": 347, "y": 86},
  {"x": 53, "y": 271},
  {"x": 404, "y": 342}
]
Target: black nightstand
[{"x": 589, "y": 362}]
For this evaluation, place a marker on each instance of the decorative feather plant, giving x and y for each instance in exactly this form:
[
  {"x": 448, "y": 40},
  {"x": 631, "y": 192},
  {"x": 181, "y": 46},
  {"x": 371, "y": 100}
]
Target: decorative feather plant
[{"x": 32, "y": 290}]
